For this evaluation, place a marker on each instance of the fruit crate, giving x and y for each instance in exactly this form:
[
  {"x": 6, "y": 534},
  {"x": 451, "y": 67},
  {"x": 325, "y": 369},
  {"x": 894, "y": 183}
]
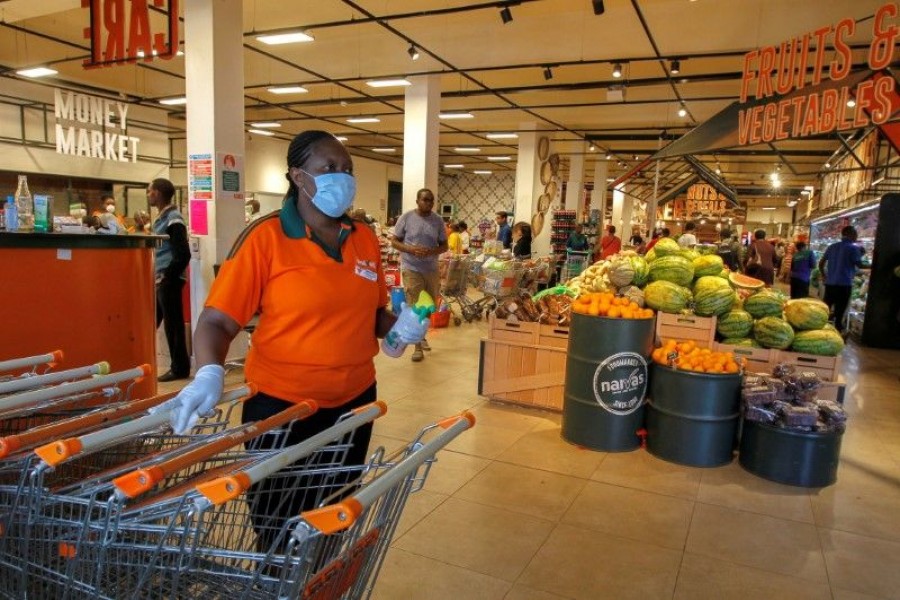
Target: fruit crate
[
  {"x": 826, "y": 367},
  {"x": 513, "y": 330},
  {"x": 757, "y": 360},
  {"x": 684, "y": 327},
  {"x": 522, "y": 374}
]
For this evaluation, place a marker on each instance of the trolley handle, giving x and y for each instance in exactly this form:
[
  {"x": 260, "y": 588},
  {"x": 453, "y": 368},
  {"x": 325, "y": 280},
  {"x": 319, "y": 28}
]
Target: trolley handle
[
  {"x": 50, "y": 359},
  {"x": 341, "y": 515},
  {"x": 27, "y": 383},
  {"x": 223, "y": 489},
  {"x": 36, "y": 435},
  {"x": 62, "y": 450},
  {"x": 144, "y": 479},
  {"x": 34, "y": 397}
]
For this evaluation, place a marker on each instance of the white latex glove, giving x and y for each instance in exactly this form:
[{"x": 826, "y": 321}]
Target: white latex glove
[
  {"x": 198, "y": 398},
  {"x": 409, "y": 328}
]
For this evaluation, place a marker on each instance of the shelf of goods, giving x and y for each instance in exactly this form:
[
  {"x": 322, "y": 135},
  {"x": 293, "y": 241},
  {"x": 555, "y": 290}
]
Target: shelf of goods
[{"x": 561, "y": 228}]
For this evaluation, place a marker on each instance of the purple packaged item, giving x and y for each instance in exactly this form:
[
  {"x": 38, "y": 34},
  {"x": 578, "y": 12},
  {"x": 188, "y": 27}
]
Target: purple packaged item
[{"x": 800, "y": 416}]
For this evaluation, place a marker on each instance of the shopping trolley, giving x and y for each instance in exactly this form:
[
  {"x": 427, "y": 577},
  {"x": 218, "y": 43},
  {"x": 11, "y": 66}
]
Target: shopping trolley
[
  {"x": 535, "y": 273},
  {"x": 27, "y": 366},
  {"x": 454, "y": 271},
  {"x": 576, "y": 261},
  {"x": 499, "y": 279}
]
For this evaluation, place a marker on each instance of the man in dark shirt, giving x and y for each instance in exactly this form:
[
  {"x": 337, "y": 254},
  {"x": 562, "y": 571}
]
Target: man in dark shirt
[
  {"x": 841, "y": 259},
  {"x": 172, "y": 258},
  {"x": 504, "y": 233}
]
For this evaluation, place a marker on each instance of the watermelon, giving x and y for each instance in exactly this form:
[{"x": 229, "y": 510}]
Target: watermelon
[
  {"x": 708, "y": 264},
  {"x": 806, "y": 313},
  {"x": 641, "y": 270},
  {"x": 676, "y": 269},
  {"x": 666, "y": 296},
  {"x": 825, "y": 342},
  {"x": 735, "y": 323},
  {"x": 666, "y": 246},
  {"x": 764, "y": 304},
  {"x": 620, "y": 272},
  {"x": 742, "y": 281},
  {"x": 773, "y": 332},
  {"x": 712, "y": 296},
  {"x": 690, "y": 254},
  {"x": 650, "y": 256},
  {"x": 741, "y": 341}
]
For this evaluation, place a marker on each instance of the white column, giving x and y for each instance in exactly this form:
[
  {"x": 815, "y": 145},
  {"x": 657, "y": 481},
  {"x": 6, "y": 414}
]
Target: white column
[
  {"x": 420, "y": 138},
  {"x": 618, "y": 208},
  {"x": 575, "y": 186},
  {"x": 624, "y": 228},
  {"x": 598, "y": 195},
  {"x": 214, "y": 68},
  {"x": 529, "y": 187}
]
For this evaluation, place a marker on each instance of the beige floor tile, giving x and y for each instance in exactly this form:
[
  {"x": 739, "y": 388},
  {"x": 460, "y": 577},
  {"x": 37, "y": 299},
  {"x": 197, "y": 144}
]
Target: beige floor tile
[
  {"x": 544, "y": 448},
  {"x": 404, "y": 422},
  {"x": 520, "y": 592},
  {"x": 734, "y": 487},
  {"x": 582, "y": 564},
  {"x": 704, "y": 578},
  {"x": 861, "y": 563},
  {"x": 839, "y": 594},
  {"x": 509, "y": 416},
  {"x": 522, "y": 490},
  {"x": 435, "y": 400},
  {"x": 466, "y": 534},
  {"x": 418, "y": 506},
  {"x": 408, "y": 576},
  {"x": 485, "y": 441},
  {"x": 390, "y": 444},
  {"x": 757, "y": 541},
  {"x": 452, "y": 470},
  {"x": 633, "y": 514},
  {"x": 642, "y": 471}
]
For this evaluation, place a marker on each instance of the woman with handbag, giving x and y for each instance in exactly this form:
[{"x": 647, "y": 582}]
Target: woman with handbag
[{"x": 761, "y": 259}]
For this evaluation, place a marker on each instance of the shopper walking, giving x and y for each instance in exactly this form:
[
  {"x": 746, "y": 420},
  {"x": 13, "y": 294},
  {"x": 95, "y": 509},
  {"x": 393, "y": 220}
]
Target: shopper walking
[
  {"x": 839, "y": 264},
  {"x": 504, "y": 231},
  {"x": 315, "y": 279},
  {"x": 172, "y": 258},
  {"x": 688, "y": 239},
  {"x": 608, "y": 245},
  {"x": 761, "y": 259},
  {"x": 420, "y": 237},
  {"x": 802, "y": 264}
]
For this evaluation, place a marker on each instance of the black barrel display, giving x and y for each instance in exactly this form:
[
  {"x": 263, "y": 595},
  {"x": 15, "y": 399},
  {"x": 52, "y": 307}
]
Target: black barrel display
[
  {"x": 606, "y": 382},
  {"x": 805, "y": 459},
  {"x": 692, "y": 418}
]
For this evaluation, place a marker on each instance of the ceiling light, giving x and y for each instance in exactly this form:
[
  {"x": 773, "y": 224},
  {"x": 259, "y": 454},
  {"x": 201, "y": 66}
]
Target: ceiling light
[
  {"x": 413, "y": 52},
  {"x": 456, "y": 166},
  {"x": 773, "y": 176},
  {"x": 142, "y": 54},
  {"x": 805, "y": 193},
  {"x": 482, "y": 172},
  {"x": 179, "y": 53},
  {"x": 609, "y": 157},
  {"x": 37, "y": 72},
  {"x": 592, "y": 148},
  {"x": 265, "y": 125},
  {"x": 467, "y": 149},
  {"x": 548, "y": 73},
  {"x": 364, "y": 120},
  {"x": 383, "y": 83},
  {"x": 502, "y": 136},
  {"x": 610, "y": 179},
  {"x": 776, "y": 183},
  {"x": 456, "y": 115},
  {"x": 682, "y": 112},
  {"x": 768, "y": 208},
  {"x": 828, "y": 165},
  {"x": 675, "y": 67},
  {"x": 635, "y": 157},
  {"x": 499, "y": 158},
  {"x": 718, "y": 171},
  {"x": 261, "y": 132},
  {"x": 506, "y": 15},
  {"x": 174, "y": 101},
  {"x": 617, "y": 70},
  {"x": 340, "y": 138},
  {"x": 288, "y": 89},
  {"x": 285, "y": 38},
  {"x": 851, "y": 102},
  {"x": 383, "y": 150}
]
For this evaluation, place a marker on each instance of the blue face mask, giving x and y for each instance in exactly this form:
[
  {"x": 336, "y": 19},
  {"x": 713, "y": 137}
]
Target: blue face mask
[{"x": 334, "y": 192}]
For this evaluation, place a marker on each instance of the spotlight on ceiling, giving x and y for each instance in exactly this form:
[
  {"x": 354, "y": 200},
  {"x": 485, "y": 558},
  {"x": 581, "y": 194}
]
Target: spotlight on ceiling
[
  {"x": 617, "y": 70},
  {"x": 413, "y": 52},
  {"x": 592, "y": 148},
  {"x": 851, "y": 103},
  {"x": 682, "y": 112},
  {"x": 675, "y": 67},
  {"x": 506, "y": 15},
  {"x": 599, "y": 9},
  {"x": 548, "y": 74}
]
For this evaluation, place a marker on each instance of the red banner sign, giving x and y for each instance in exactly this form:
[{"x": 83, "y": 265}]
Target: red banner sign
[{"x": 121, "y": 32}]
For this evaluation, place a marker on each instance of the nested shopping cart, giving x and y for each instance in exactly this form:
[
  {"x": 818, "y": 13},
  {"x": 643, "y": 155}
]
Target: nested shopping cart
[
  {"x": 454, "y": 271},
  {"x": 576, "y": 261}
]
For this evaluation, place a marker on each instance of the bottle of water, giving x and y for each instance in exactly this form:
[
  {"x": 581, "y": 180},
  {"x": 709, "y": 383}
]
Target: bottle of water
[
  {"x": 12, "y": 214},
  {"x": 24, "y": 205}
]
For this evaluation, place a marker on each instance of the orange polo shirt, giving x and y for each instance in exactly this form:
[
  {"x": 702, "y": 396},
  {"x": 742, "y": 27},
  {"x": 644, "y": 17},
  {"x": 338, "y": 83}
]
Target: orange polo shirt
[{"x": 315, "y": 337}]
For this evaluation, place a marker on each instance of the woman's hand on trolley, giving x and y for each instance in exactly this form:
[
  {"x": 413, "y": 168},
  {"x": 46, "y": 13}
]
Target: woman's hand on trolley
[{"x": 197, "y": 399}]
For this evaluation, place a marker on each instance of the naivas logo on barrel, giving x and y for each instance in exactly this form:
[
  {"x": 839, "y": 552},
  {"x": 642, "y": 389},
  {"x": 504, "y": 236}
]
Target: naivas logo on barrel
[{"x": 620, "y": 382}]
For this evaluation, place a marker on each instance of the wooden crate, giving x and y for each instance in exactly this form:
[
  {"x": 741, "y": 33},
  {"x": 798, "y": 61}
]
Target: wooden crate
[
  {"x": 513, "y": 330},
  {"x": 702, "y": 330},
  {"x": 522, "y": 374},
  {"x": 758, "y": 360},
  {"x": 553, "y": 336},
  {"x": 826, "y": 367}
]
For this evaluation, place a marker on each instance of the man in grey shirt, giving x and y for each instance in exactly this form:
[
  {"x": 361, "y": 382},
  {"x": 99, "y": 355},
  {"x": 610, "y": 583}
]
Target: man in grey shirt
[{"x": 420, "y": 237}]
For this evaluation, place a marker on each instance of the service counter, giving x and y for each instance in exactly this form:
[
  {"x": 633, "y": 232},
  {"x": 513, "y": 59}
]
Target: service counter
[{"x": 91, "y": 296}]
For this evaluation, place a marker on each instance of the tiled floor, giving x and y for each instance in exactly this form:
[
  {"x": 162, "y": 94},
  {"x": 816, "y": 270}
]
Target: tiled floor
[{"x": 513, "y": 512}]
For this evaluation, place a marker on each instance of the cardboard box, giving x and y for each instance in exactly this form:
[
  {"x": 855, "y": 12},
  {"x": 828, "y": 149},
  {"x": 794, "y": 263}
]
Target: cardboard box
[
  {"x": 702, "y": 330},
  {"x": 522, "y": 374}
]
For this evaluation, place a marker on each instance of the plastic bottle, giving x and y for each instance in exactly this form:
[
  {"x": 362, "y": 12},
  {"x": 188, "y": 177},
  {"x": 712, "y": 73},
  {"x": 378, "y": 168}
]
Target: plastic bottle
[
  {"x": 12, "y": 214},
  {"x": 42, "y": 213},
  {"x": 24, "y": 205},
  {"x": 391, "y": 344}
]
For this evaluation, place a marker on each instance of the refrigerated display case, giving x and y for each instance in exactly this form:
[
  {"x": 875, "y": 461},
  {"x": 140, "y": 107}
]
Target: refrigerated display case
[{"x": 874, "y": 313}]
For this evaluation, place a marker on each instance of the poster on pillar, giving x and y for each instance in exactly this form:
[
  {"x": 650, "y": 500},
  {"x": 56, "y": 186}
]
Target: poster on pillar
[
  {"x": 229, "y": 176},
  {"x": 198, "y": 211},
  {"x": 200, "y": 191}
]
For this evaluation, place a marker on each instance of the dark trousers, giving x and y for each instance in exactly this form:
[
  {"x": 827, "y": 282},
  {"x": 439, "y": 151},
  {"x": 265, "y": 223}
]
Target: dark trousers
[
  {"x": 799, "y": 288},
  {"x": 169, "y": 311},
  {"x": 837, "y": 297},
  {"x": 291, "y": 491}
]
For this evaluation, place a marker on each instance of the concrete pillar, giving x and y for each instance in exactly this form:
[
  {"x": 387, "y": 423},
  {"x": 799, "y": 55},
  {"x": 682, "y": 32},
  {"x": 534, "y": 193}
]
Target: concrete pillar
[
  {"x": 618, "y": 209},
  {"x": 214, "y": 68},
  {"x": 598, "y": 195},
  {"x": 575, "y": 186},
  {"x": 420, "y": 139}
]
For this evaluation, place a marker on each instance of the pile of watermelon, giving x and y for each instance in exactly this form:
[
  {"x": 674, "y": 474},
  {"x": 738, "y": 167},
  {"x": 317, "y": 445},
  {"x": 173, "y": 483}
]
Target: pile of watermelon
[{"x": 767, "y": 319}]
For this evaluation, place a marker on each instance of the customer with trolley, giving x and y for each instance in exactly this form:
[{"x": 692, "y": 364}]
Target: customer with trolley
[{"x": 314, "y": 278}]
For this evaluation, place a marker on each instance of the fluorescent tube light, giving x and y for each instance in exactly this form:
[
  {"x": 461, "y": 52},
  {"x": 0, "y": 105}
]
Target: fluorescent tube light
[
  {"x": 499, "y": 158},
  {"x": 383, "y": 83},
  {"x": 456, "y": 115},
  {"x": 502, "y": 136},
  {"x": 364, "y": 120},
  {"x": 265, "y": 125},
  {"x": 37, "y": 72},
  {"x": 285, "y": 38},
  {"x": 288, "y": 89},
  {"x": 383, "y": 150},
  {"x": 455, "y": 166},
  {"x": 482, "y": 172},
  {"x": 261, "y": 132},
  {"x": 174, "y": 101},
  {"x": 467, "y": 149}
]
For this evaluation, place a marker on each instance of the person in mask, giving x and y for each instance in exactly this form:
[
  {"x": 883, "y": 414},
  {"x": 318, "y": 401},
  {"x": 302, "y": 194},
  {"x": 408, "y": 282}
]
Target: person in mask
[
  {"x": 314, "y": 278},
  {"x": 108, "y": 209}
]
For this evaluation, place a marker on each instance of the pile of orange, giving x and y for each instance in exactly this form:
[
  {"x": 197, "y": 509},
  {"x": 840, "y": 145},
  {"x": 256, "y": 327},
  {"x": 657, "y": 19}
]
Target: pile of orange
[
  {"x": 606, "y": 304},
  {"x": 692, "y": 358}
]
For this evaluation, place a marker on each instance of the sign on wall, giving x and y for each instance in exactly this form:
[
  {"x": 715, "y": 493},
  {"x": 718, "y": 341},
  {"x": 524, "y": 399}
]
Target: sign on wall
[
  {"x": 122, "y": 31},
  {"x": 93, "y": 127},
  {"x": 230, "y": 175}
]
